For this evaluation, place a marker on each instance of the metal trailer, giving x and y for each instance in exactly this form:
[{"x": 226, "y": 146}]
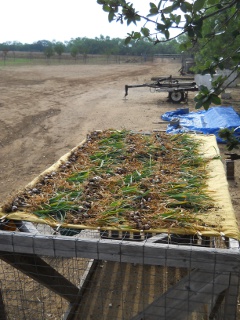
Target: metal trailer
[{"x": 176, "y": 88}]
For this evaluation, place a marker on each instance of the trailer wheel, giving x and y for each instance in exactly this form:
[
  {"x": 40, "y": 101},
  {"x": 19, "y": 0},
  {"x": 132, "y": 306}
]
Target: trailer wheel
[{"x": 176, "y": 96}]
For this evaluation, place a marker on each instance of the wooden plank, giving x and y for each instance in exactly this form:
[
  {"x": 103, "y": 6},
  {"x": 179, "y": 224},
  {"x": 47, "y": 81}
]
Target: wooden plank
[
  {"x": 231, "y": 298},
  {"x": 37, "y": 269},
  {"x": 211, "y": 259},
  {"x": 70, "y": 314},
  {"x": 196, "y": 292},
  {"x": 158, "y": 237},
  {"x": 217, "y": 306},
  {"x": 25, "y": 226}
]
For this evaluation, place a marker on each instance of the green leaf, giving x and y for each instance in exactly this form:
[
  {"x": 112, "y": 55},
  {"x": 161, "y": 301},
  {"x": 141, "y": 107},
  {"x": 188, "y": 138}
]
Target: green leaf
[
  {"x": 152, "y": 5},
  {"x": 218, "y": 81},
  {"x": 189, "y": 6},
  {"x": 167, "y": 34},
  {"x": 178, "y": 19},
  {"x": 111, "y": 16},
  {"x": 167, "y": 9},
  {"x": 198, "y": 105},
  {"x": 215, "y": 99},
  {"x": 188, "y": 19},
  {"x": 186, "y": 7},
  {"x": 211, "y": 70},
  {"x": 136, "y": 35},
  {"x": 145, "y": 32},
  {"x": 185, "y": 46},
  {"x": 198, "y": 5},
  {"x": 127, "y": 40},
  {"x": 106, "y": 8},
  {"x": 168, "y": 23},
  {"x": 175, "y": 5},
  {"x": 235, "y": 33},
  {"x": 204, "y": 90},
  {"x": 207, "y": 104},
  {"x": 153, "y": 10},
  {"x": 183, "y": 7},
  {"x": 160, "y": 26},
  {"x": 236, "y": 58},
  {"x": 79, "y": 176}
]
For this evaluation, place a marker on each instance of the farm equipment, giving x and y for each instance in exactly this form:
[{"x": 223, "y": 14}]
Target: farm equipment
[{"x": 176, "y": 88}]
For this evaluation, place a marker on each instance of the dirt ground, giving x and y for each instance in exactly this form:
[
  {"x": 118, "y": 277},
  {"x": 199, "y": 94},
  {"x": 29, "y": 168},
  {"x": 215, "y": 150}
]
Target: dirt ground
[{"x": 47, "y": 110}]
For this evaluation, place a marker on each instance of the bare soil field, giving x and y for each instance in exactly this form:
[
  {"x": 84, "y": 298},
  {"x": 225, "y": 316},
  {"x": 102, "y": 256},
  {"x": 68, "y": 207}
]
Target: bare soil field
[{"x": 48, "y": 110}]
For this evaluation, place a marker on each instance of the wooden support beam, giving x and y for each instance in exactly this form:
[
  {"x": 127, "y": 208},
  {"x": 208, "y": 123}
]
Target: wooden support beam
[
  {"x": 37, "y": 269},
  {"x": 231, "y": 298},
  {"x": 158, "y": 237},
  {"x": 71, "y": 312},
  {"x": 169, "y": 255},
  {"x": 25, "y": 226},
  {"x": 196, "y": 292},
  {"x": 217, "y": 305}
]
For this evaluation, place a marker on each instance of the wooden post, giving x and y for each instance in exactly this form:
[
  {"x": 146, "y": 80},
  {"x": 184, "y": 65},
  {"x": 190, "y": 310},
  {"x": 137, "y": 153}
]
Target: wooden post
[{"x": 231, "y": 298}]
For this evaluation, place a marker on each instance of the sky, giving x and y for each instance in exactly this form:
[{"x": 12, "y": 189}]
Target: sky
[{"x": 28, "y": 21}]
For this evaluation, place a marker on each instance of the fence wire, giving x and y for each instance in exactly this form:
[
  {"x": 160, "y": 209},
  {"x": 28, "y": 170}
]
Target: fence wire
[{"x": 35, "y": 286}]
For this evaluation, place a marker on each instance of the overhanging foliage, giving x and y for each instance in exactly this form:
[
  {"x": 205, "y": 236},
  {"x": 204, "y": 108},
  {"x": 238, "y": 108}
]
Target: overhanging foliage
[{"x": 203, "y": 22}]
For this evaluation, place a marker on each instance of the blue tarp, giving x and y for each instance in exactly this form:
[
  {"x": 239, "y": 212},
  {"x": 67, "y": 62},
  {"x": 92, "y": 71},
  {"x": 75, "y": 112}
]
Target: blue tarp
[{"x": 206, "y": 122}]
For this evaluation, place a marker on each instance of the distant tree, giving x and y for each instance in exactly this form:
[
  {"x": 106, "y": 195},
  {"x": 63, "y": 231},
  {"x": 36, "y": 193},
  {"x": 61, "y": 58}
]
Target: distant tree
[
  {"x": 98, "y": 45},
  {"x": 59, "y": 48},
  {"x": 15, "y": 46},
  {"x": 49, "y": 51},
  {"x": 74, "y": 52},
  {"x": 41, "y": 45}
]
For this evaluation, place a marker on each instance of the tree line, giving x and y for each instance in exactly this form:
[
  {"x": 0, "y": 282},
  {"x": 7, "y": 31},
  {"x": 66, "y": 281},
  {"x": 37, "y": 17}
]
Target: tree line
[{"x": 98, "y": 45}]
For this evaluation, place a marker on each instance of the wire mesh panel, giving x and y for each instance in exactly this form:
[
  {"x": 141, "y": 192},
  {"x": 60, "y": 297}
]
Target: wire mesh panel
[
  {"x": 87, "y": 277},
  {"x": 24, "y": 297}
]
